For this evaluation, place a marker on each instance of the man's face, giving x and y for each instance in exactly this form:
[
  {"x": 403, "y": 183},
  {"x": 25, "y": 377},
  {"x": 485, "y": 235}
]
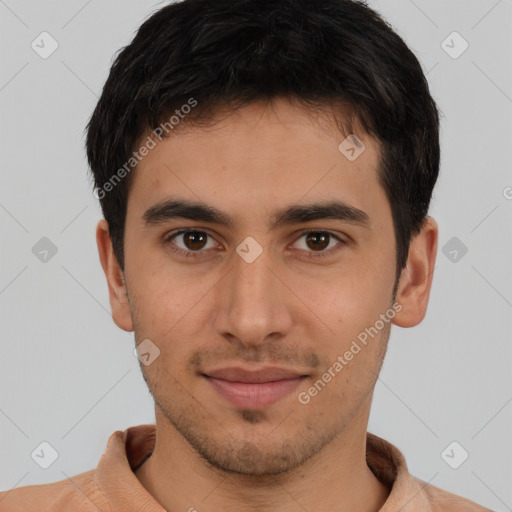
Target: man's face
[{"x": 297, "y": 306}]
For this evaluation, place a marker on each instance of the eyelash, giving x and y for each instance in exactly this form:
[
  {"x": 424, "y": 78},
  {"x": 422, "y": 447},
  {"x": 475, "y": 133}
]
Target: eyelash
[{"x": 196, "y": 254}]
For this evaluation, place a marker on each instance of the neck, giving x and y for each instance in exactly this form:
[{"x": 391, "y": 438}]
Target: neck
[{"x": 336, "y": 479}]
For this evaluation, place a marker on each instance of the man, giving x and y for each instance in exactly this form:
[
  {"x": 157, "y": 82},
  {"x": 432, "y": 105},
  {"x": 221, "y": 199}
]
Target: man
[{"x": 265, "y": 170}]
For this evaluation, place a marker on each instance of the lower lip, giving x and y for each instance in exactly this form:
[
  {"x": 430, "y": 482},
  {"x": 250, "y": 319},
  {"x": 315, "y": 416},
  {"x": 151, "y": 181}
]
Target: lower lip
[{"x": 252, "y": 396}]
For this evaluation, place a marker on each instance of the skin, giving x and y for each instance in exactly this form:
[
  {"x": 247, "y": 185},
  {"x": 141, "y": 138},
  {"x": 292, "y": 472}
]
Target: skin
[{"x": 288, "y": 308}]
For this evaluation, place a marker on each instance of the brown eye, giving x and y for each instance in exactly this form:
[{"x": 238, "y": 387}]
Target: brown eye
[
  {"x": 194, "y": 240},
  {"x": 187, "y": 242},
  {"x": 318, "y": 243}
]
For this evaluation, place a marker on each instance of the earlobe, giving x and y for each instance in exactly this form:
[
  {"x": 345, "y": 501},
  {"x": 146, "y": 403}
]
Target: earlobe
[
  {"x": 119, "y": 304},
  {"x": 416, "y": 278}
]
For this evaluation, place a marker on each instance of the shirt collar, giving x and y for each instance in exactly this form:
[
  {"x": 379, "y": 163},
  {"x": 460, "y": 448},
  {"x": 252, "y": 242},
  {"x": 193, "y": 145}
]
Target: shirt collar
[{"x": 115, "y": 473}]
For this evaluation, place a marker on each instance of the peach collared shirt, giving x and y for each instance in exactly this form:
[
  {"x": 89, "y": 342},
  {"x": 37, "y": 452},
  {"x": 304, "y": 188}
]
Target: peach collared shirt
[{"x": 113, "y": 486}]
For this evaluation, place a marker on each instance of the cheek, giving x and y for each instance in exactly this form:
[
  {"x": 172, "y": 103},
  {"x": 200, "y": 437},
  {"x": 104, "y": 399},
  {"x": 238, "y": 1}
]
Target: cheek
[
  {"x": 350, "y": 306},
  {"x": 171, "y": 308},
  {"x": 348, "y": 301}
]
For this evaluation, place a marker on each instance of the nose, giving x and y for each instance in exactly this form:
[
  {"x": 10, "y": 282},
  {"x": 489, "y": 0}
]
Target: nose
[{"x": 254, "y": 303}]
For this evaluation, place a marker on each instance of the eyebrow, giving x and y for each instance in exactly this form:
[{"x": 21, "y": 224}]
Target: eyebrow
[{"x": 295, "y": 214}]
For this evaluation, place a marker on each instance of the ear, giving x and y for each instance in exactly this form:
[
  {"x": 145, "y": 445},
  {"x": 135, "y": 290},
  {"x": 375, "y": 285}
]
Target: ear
[
  {"x": 119, "y": 304},
  {"x": 416, "y": 278}
]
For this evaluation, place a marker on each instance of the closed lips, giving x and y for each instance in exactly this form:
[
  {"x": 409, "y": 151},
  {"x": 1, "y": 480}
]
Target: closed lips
[{"x": 269, "y": 374}]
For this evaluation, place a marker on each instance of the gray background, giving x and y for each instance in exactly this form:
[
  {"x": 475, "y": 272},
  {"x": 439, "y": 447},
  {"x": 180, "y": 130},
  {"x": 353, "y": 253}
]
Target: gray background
[{"x": 67, "y": 373}]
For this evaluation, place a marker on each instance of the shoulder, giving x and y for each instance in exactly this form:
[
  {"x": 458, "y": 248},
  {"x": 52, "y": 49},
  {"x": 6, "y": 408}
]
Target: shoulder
[
  {"x": 444, "y": 501},
  {"x": 407, "y": 492},
  {"x": 79, "y": 492}
]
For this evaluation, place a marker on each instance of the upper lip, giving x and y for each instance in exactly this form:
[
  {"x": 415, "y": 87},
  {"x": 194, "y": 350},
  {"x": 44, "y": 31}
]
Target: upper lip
[{"x": 238, "y": 374}]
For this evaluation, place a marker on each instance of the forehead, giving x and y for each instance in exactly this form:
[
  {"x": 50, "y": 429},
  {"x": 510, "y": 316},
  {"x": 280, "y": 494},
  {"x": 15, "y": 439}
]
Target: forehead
[{"x": 260, "y": 155}]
